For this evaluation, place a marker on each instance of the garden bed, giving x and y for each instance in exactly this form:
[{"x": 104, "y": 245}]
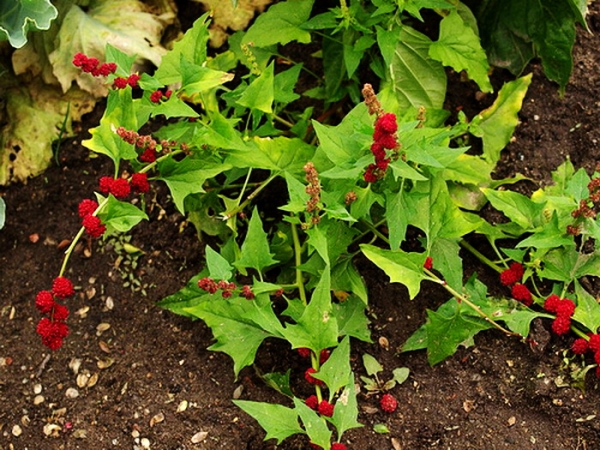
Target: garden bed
[{"x": 158, "y": 386}]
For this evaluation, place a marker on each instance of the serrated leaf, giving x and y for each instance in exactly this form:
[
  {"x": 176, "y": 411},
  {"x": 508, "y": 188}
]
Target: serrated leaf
[
  {"x": 447, "y": 330},
  {"x": 315, "y": 426},
  {"x": 279, "y": 381},
  {"x": 187, "y": 297},
  {"x": 549, "y": 236},
  {"x": 239, "y": 326},
  {"x": 119, "y": 112},
  {"x": 517, "y": 207},
  {"x": 345, "y": 413},
  {"x": 401, "y": 267},
  {"x": 410, "y": 61},
  {"x": 278, "y": 421},
  {"x": 446, "y": 259},
  {"x": 192, "y": 47},
  {"x": 345, "y": 277},
  {"x": 458, "y": 47},
  {"x": 255, "y": 252},
  {"x": 120, "y": 216},
  {"x": 260, "y": 93},
  {"x": 187, "y": 176},
  {"x": 352, "y": 319},
  {"x": 336, "y": 370},
  {"x": 196, "y": 79},
  {"x": 587, "y": 312},
  {"x": 218, "y": 267},
  {"x": 19, "y": 16},
  {"x": 396, "y": 218},
  {"x": 496, "y": 124},
  {"x": 281, "y": 24}
]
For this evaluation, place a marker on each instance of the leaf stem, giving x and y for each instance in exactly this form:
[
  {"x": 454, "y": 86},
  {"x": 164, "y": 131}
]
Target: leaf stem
[
  {"x": 298, "y": 263},
  {"x": 480, "y": 256},
  {"x": 229, "y": 214}
]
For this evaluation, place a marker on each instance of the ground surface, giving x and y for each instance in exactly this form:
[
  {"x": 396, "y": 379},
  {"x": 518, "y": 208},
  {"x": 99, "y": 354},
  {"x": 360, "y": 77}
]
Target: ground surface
[{"x": 497, "y": 394}]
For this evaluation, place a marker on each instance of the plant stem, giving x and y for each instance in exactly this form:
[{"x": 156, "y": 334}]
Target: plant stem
[
  {"x": 463, "y": 298},
  {"x": 282, "y": 121},
  {"x": 298, "y": 262},
  {"x": 71, "y": 247},
  {"x": 480, "y": 256},
  {"x": 229, "y": 214}
]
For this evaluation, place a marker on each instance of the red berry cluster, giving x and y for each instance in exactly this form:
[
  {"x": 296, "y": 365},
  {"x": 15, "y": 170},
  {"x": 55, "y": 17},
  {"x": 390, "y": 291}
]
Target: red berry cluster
[
  {"x": 121, "y": 187},
  {"x": 384, "y": 138},
  {"x": 227, "y": 288},
  {"x": 308, "y": 376},
  {"x": 428, "y": 264},
  {"x": 323, "y": 356},
  {"x": 92, "y": 223},
  {"x": 388, "y": 403},
  {"x": 592, "y": 344},
  {"x": 512, "y": 277},
  {"x": 53, "y": 328},
  {"x": 93, "y": 66},
  {"x": 158, "y": 95},
  {"x": 323, "y": 407},
  {"x": 335, "y": 446},
  {"x": 314, "y": 190},
  {"x": 564, "y": 309}
]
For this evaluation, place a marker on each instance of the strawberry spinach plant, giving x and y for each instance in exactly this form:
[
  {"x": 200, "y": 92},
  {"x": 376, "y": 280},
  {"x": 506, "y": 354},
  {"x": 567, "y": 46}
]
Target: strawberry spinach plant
[{"x": 390, "y": 173}]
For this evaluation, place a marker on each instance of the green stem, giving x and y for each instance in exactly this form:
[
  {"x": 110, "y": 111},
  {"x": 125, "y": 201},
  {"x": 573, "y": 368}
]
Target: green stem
[
  {"x": 71, "y": 247},
  {"x": 480, "y": 256},
  {"x": 298, "y": 262},
  {"x": 282, "y": 121},
  {"x": 373, "y": 229},
  {"x": 229, "y": 214},
  {"x": 464, "y": 299}
]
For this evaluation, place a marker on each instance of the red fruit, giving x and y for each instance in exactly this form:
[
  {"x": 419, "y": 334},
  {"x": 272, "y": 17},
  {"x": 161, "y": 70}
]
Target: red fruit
[
  {"x": 388, "y": 141},
  {"x": 324, "y": 355},
  {"x": 208, "y": 284},
  {"x": 521, "y": 292},
  {"x": 518, "y": 270},
  {"x": 60, "y": 312},
  {"x": 387, "y": 123},
  {"x": 369, "y": 176},
  {"x": 120, "y": 188},
  {"x": 62, "y": 287},
  {"x": 325, "y": 408},
  {"x": 148, "y": 155},
  {"x": 551, "y": 303},
  {"x": 598, "y": 371},
  {"x": 597, "y": 358},
  {"x": 93, "y": 226},
  {"x": 565, "y": 308},
  {"x": 508, "y": 277},
  {"x": 580, "y": 346},
  {"x": 247, "y": 292},
  {"x": 561, "y": 325},
  {"x": 428, "y": 264},
  {"x": 79, "y": 59},
  {"x": 139, "y": 183},
  {"x": 378, "y": 151},
  {"x": 594, "y": 342},
  {"x": 388, "y": 403},
  {"x": 312, "y": 380},
  {"x": 44, "y": 302},
  {"x": 87, "y": 207},
  {"x": 312, "y": 402},
  {"x": 304, "y": 352},
  {"x": 120, "y": 83},
  {"x": 156, "y": 96},
  {"x": 338, "y": 446},
  {"x": 105, "y": 184},
  {"x": 133, "y": 80}
]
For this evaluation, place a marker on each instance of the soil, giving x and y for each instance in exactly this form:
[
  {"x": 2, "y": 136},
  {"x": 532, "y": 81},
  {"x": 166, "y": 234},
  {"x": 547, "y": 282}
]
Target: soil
[{"x": 499, "y": 393}]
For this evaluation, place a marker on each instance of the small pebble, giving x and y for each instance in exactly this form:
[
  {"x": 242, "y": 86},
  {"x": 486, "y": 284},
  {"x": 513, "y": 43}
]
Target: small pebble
[
  {"x": 199, "y": 437},
  {"x": 17, "y": 430},
  {"x": 145, "y": 442},
  {"x": 72, "y": 393},
  {"x": 38, "y": 399}
]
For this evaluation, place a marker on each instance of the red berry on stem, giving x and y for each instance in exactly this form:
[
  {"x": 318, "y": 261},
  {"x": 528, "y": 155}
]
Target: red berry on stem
[
  {"x": 93, "y": 226},
  {"x": 338, "y": 446},
  {"x": 120, "y": 83},
  {"x": 387, "y": 123},
  {"x": 308, "y": 376},
  {"x": 561, "y": 325},
  {"x": 105, "y": 184},
  {"x": 44, "y": 301},
  {"x": 139, "y": 183},
  {"x": 120, "y": 188},
  {"x": 60, "y": 312},
  {"x": 62, "y": 287},
  {"x": 551, "y": 303},
  {"x": 428, "y": 264},
  {"x": 388, "y": 403},
  {"x": 325, "y": 408},
  {"x": 312, "y": 402},
  {"x": 87, "y": 207},
  {"x": 594, "y": 342},
  {"x": 521, "y": 292},
  {"x": 304, "y": 352},
  {"x": 580, "y": 346}
]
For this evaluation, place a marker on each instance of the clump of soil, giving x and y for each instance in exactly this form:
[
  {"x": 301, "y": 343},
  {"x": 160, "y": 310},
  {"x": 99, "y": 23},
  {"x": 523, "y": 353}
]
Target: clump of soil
[{"x": 133, "y": 375}]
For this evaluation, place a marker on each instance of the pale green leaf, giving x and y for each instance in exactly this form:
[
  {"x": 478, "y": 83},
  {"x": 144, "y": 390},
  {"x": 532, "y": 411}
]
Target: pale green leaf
[
  {"x": 517, "y": 207},
  {"x": 120, "y": 216},
  {"x": 316, "y": 427},
  {"x": 17, "y": 17},
  {"x": 336, "y": 370},
  {"x": 218, "y": 267},
  {"x": 255, "y": 252},
  {"x": 280, "y": 422},
  {"x": 260, "y": 93},
  {"x": 372, "y": 366}
]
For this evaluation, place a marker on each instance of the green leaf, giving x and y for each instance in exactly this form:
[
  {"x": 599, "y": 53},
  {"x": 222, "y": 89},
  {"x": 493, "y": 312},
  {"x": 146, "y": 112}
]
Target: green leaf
[
  {"x": 279, "y": 381},
  {"x": 196, "y": 78},
  {"x": 278, "y": 421},
  {"x": 517, "y": 207},
  {"x": 119, "y": 112},
  {"x": 281, "y": 24},
  {"x": 317, "y": 328},
  {"x": 345, "y": 413},
  {"x": 187, "y": 297},
  {"x": 496, "y": 124},
  {"x": 447, "y": 329},
  {"x": 284, "y": 84},
  {"x": 587, "y": 312},
  {"x": 345, "y": 277},
  {"x": 336, "y": 370},
  {"x": 401, "y": 374},
  {"x": 372, "y": 366},
  {"x": 255, "y": 252},
  {"x": 549, "y": 236},
  {"x": 17, "y": 17},
  {"x": 2, "y": 213},
  {"x": 187, "y": 176},
  {"x": 416, "y": 79},
  {"x": 396, "y": 218},
  {"x": 239, "y": 326},
  {"x": 446, "y": 259},
  {"x": 458, "y": 47},
  {"x": 401, "y": 267},
  {"x": 381, "y": 428},
  {"x": 316, "y": 427},
  {"x": 218, "y": 267},
  {"x": 192, "y": 48},
  {"x": 261, "y": 92},
  {"x": 120, "y": 216},
  {"x": 352, "y": 319}
]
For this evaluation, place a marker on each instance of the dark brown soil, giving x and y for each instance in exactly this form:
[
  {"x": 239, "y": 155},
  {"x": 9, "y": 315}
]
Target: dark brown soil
[{"x": 499, "y": 393}]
